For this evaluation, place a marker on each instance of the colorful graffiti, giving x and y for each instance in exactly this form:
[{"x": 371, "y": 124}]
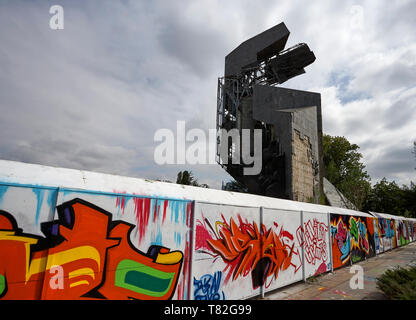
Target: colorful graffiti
[
  {"x": 208, "y": 287},
  {"x": 384, "y": 234},
  {"x": 341, "y": 243},
  {"x": 359, "y": 235},
  {"x": 248, "y": 249},
  {"x": 161, "y": 221},
  {"x": 378, "y": 236},
  {"x": 352, "y": 238},
  {"x": 412, "y": 230},
  {"x": 313, "y": 238},
  {"x": 403, "y": 232},
  {"x": 145, "y": 247},
  {"x": 96, "y": 256}
]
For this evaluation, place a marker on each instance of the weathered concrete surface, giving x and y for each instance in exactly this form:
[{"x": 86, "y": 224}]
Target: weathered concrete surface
[
  {"x": 335, "y": 286},
  {"x": 302, "y": 169},
  {"x": 335, "y": 197}
]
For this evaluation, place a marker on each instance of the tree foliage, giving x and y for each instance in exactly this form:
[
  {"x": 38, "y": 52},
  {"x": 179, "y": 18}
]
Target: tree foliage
[
  {"x": 235, "y": 186},
  {"x": 344, "y": 169},
  {"x": 398, "y": 284},
  {"x": 187, "y": 178},
  {"x": 385, "y": 197},
  {"x": 388, "y": 197}
]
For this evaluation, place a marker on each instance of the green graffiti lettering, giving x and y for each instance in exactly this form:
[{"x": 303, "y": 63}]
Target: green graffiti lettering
[
  {"x": 353, "y": 229},
  {"x": 142, "y": 279},
  {"x": 2, "y": 284},
  {"x": 146, "y": 281}
]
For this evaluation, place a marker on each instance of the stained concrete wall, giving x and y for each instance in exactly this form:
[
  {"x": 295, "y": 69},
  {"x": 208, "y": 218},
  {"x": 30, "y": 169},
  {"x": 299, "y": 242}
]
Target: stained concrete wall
[{"x": 302, "y": 169}]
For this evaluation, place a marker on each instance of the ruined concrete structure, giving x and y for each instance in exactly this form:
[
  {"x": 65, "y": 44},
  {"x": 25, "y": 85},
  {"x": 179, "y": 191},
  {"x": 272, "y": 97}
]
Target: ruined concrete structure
[
  {"x": 335, "y": 198},
  {"x": 291, "y": 120}
]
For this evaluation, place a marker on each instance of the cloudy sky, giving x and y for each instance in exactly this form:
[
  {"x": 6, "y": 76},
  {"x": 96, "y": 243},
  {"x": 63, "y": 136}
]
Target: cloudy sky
[{"x": 93, "y": 95}]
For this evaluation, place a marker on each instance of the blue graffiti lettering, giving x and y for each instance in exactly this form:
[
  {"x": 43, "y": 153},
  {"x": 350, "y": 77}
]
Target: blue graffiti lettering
[
  {"x": 389, "y": 231},
  {"x": 376, "y": 241},
  {"x": 334, "y": 231},
  {"x": 346, "y": 248},
  {"x": 362, "y": 228},
  {"x": 207, "y": 288}
]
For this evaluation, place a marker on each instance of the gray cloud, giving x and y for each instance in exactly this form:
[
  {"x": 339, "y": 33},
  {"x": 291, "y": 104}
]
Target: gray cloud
[
  {"x": 194, "y": 46},
  {"x": 393, "y": 163},
  {"x": 401, "y": 113},
  {"x": 92, "y": 96}
]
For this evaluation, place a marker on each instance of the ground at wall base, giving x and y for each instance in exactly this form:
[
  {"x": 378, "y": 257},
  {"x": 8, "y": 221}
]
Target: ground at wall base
[{"x": 335, "y": 286}]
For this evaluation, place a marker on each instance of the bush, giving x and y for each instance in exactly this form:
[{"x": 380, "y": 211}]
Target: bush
[{"x": 399, "y": 283}]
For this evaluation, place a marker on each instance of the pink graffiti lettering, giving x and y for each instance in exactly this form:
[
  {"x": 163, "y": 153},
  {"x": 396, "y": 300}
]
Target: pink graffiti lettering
[{"x": 315, "y": 241}]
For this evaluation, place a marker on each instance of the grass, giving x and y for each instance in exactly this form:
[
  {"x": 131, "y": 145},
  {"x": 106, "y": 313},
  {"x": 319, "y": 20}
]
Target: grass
[
  {"x": 312, "y": 279},
  {"x": 399, "y": 283}
]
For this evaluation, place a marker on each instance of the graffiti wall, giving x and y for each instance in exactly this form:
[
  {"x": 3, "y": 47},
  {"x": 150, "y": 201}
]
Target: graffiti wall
[
  {"x": 227, "y": 252},
  {"x": 93, "y": 246},
  {"x": 384, "y": 234},
  {"x": 314, "y": 237},
  {"x": 412, "y": 224},
  {"x": 352, "y": 239},
  {"x": 403, "y": 232},
  {"x": 61, "y": 243},
  {"x": 282, "y": 252},
  {"x": 21, "y": 212},
  {"x": 240, "y": 251}
]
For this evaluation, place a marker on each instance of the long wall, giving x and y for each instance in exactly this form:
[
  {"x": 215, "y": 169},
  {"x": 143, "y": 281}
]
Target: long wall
[{"x": 62, "y": 242}]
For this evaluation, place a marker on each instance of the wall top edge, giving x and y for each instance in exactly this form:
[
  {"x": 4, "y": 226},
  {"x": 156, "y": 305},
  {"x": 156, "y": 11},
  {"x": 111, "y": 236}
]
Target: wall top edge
[{"x": 13, "y": 172}]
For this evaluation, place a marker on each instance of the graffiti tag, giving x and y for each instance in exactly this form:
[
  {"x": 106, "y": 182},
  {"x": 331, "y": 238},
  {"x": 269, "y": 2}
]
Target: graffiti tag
[{"x": 207, "y": 288}]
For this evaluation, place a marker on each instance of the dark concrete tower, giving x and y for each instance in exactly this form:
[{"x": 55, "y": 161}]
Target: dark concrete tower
[{"x": 291, "y": 120}]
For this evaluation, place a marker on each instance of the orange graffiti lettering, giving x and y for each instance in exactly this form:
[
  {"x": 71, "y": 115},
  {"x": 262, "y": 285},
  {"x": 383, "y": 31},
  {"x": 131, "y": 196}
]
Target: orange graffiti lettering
[
  {"x": 96, "y": 256},
  {"x": 247, "y": 249}
]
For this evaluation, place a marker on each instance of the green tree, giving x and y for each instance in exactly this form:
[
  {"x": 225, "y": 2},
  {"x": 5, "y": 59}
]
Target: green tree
[
  {"x": 235, "y": 186},
  {"x": 344, "y": 169},
  {"x": 187, "y": 178},
  {"x": 398, "y": 283},
  {"x": 385, "y": 197},
  {"x": 388, "y": 197},
  {"x": 409, "y": 200}
]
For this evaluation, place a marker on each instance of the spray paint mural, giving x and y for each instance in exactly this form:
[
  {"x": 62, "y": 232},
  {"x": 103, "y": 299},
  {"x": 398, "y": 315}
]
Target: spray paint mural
[
  {"x": 352, "y": 239},
  {"x": 412, "y": 225},
  {"x": 403, "y": 232},
  {"x": 58, "y": 243},
  {"x": 314, "y": 237},
  {"x": 87, "y": 254},
  {"x": 283, "y": 224},
  {"x": 250, "y": 254},
  {"x": 227, "y": 241},
  {"x": 208, "y": 287},
  {"x": 384, "y": 234},
  {"x": 158, "y": 222}
]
